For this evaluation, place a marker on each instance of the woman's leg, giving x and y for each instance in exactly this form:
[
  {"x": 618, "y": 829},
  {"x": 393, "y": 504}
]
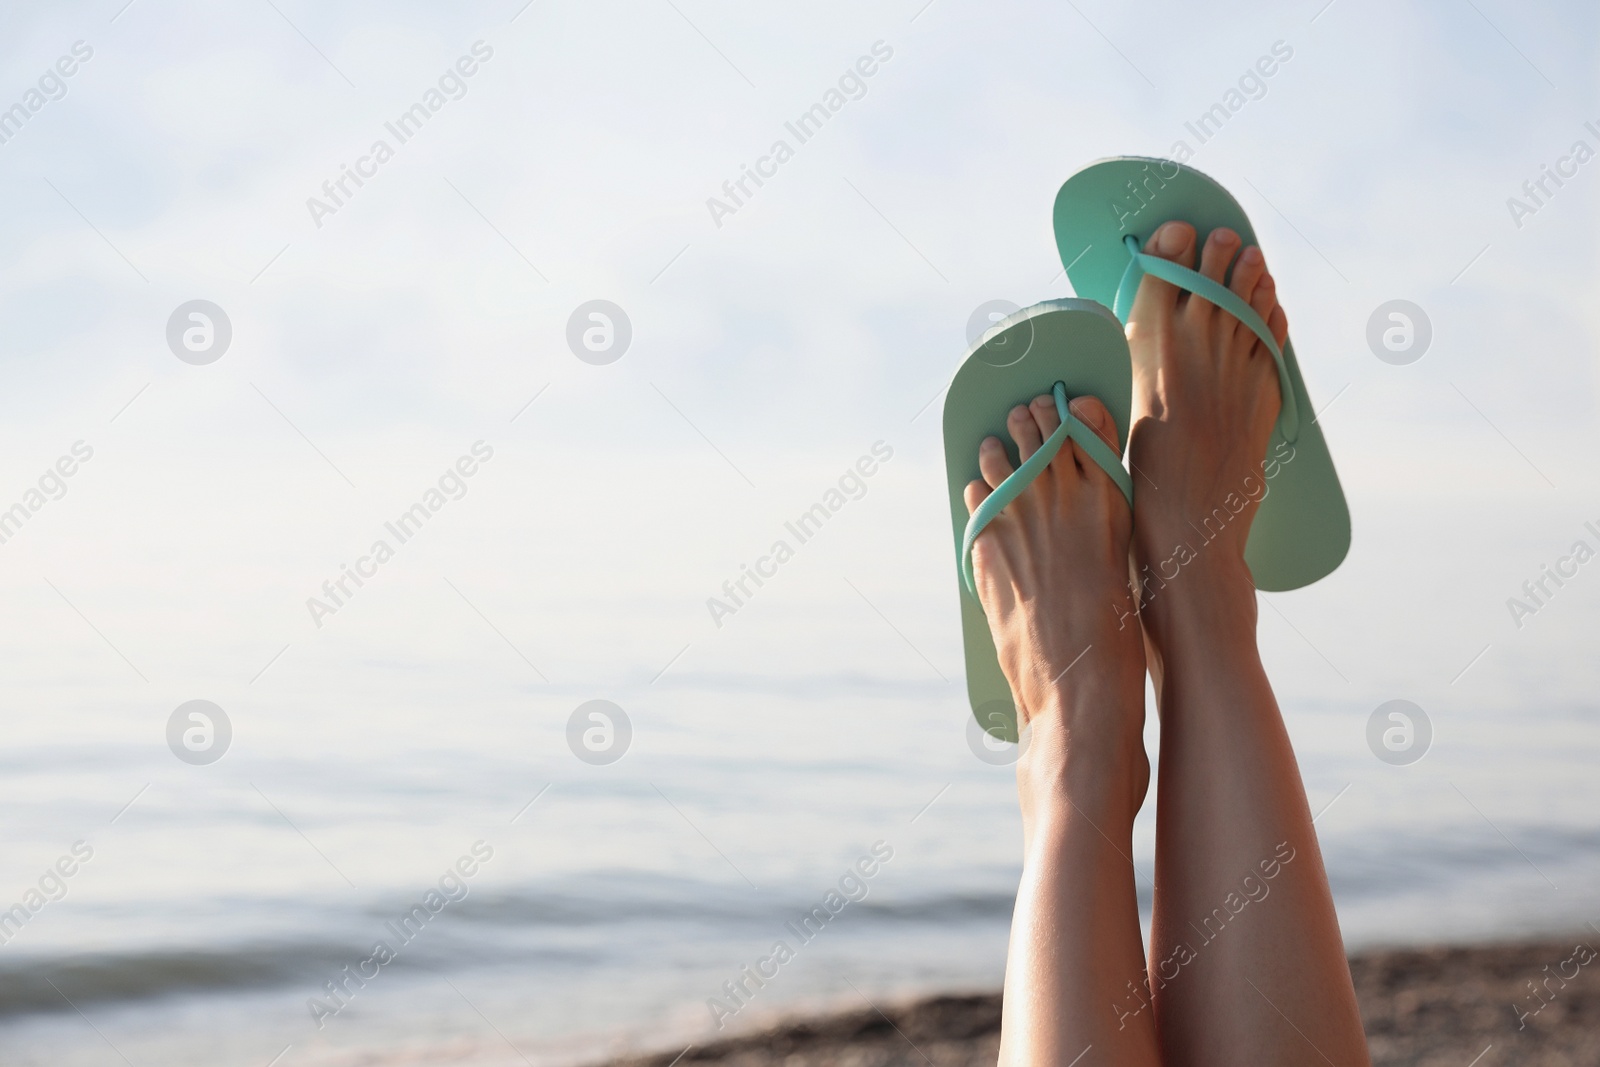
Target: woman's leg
[
  {"x": 1246, "y": 960},
  {"x": 1052, "y": 576}
]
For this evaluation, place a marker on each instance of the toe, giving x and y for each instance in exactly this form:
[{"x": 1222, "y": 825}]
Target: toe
[
  {"x": 1156, "y": 301},
  {"x": 1253, "y": 284},
  {"x": 993, "y": 463},
  {"x": 1250, "y": 269},
  {"x": 1093, "y": 413},
  {"x": 976, "y": 492},
  {"x": 1045, "y": 419},
  {"x": 1174, "y": 241},
  {"x": 1218, "y": 253},
  {"x": 1024, "y": 431},
  {"x": 1214, "y": 260},
  {"x": 1278, "y": 325},
  {"x": 1264, "y": 301}
]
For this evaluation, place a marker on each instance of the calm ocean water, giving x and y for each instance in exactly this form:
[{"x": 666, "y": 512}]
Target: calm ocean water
[{"x": 217, "y": 905}]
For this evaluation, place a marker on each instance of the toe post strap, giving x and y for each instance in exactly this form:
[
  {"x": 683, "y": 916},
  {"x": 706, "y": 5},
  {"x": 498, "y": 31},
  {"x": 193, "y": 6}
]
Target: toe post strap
[
  {"x": 1104, "y": 456},
  {"x": 1141, "y": 263}
]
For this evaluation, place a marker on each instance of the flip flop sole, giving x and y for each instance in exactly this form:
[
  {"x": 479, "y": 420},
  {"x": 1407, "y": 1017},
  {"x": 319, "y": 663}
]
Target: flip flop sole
[
  {"x": 1302, "y": 530},
  {"x": 1076, "y": 342}
]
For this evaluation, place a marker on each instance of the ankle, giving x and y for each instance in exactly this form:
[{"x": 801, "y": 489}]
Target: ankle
[
  {"x": 1086, "y": 757},
  {"x": 1211, "y": 602},
  {"x": 1056, "y": 797}
]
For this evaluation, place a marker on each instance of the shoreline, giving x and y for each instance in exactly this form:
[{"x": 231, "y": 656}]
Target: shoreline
[{"x": 1421, "y": 1006}]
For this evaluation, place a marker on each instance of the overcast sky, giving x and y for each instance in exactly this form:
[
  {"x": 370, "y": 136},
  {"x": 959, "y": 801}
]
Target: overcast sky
[{"x": 770, "y": 347}]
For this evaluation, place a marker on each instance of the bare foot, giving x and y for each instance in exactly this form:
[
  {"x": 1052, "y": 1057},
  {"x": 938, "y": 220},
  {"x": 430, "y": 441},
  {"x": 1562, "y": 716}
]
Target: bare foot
[
  {"x": 1051, "y": 572},
  {"x": 1205, "y": 398}
]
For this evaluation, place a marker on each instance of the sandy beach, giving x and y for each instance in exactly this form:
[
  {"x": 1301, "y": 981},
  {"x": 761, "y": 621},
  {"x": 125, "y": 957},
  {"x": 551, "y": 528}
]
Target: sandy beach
[{"x": 1423, "y": 1007}]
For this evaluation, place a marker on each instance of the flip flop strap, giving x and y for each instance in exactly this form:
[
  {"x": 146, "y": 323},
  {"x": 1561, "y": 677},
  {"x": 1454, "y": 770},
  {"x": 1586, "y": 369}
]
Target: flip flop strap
[
  {"x": 1222, "y": 297},
  {"x": 1071, "y": 426}
]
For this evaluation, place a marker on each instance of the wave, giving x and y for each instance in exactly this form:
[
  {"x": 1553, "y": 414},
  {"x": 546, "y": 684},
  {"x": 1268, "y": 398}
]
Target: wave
[
  {"x": 614, "y": 918},
  {"x": 63, "y": 983},
  {"x": 590, "y": 923}
]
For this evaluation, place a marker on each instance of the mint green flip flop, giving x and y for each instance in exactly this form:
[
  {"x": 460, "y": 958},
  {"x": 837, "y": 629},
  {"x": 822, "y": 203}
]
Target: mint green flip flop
[
  {"x": 1068, "y": 348},
  {"x": 1103, "y": 216}
]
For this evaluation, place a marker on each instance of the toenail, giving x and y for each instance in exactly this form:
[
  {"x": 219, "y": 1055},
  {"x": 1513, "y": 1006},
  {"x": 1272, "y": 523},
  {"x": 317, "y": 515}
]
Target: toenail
[
  {"x": 1170, "y": 239},
  {"x": 1251, "y": 255},
  {"x": 1224, "y": 236}
]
